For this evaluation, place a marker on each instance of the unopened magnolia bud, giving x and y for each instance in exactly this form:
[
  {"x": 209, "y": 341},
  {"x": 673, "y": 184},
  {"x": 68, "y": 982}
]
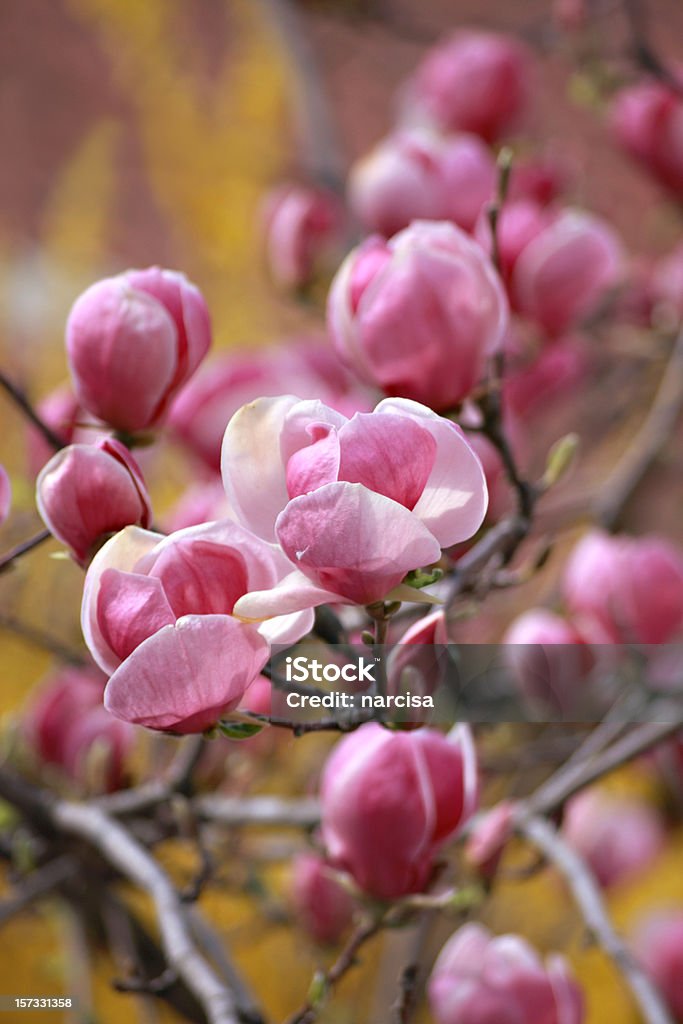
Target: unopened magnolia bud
[
  {"x": 88, "y": 491},
  {"x": 132, "y": 342},
  {"x": 324, "y": 907}
]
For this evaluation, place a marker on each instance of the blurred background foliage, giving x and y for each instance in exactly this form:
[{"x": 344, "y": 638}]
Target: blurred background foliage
[{"x": 146, "y": 132}]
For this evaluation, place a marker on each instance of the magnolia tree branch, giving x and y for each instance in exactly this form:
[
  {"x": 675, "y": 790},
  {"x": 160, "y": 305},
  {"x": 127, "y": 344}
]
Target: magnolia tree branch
[
  {"x": 586, "y": 893},
  {"x": 17, "y": 552},
  {"x": 647, "y": 444},
  {"x": 21, "y": 401}
]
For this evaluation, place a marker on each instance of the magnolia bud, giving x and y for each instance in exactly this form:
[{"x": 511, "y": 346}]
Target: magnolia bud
[
  {"x": 323, "y": 905},
  {"x": 420, "y": 315},
  {"x": 132, "y": 342},
  {"x": 300, "y": 225},
  {"x": 389, "y": 802},
  {"x": 88, "y": 491}
]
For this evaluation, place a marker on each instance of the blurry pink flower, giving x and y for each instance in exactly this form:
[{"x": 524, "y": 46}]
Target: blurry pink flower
[
  {"x": 558, "y": 369},
  {"x": 301, "y": 225},
  {"x": 519, "y": 222},
  {"x": 647, "y": 121},
  {"x": 200, "y": 503},
  {"x": 658, "y": 943},
  {"x": 564, "y": 272},
  {"x": 67, "y": 726},
  {"x": 304, "y": 367},
  {"x": 157, "y": 617},
  {"x": 419, "y": 662},
  {"x": 550, "y": 660},
  {"x": 477, "y": 82},
  {"x": 88, "y": 491},
  {"x": 391, "y": 799},
  {"x": 631, "y": 587},
  {"x": 419, "y": 316},
  {"x": 479, "y": 978},
  {"x": 323, "y": 906},
  {"x": 60, "y": 411},
  {"x": 355, "y": 504},
  {"x": 5, "y": 494},
  {"x": 488, "y": 838},
  {"x": 420, "y": 175},
  {"x": 132, "y": 342},
  {"x": 618, "y": 837},
  {"x": 539, "y": 178}
]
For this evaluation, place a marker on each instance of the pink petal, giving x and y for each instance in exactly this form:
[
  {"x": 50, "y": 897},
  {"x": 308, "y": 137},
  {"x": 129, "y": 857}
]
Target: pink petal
[
  {"x": 392, "y": 455},
  {"x": 200, "y": 578},
  {"x": 455, "y": 498},
  {"x": 186, "y": 676},
  {"x": 5, "y": 495},
  {"x": 124, "y": 551},
  {"x": 315, "y": 465},
  {"x": 354, "y": 542},
  {"x": 252, "y": 465},
  {"x": 130, "y": 608},
  {"x": 292, "y": 594}
]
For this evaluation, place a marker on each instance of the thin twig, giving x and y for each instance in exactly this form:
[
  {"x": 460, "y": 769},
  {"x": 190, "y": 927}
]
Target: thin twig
[
  {"x": 15, "y": 553},
  {"x": 648, "y": 443},
  {"x": 20, "y": 400},
  {"x": 308, "y": 1013},
  {"x": 588, "y": 898},
  {"x": 258, "y": 810}
]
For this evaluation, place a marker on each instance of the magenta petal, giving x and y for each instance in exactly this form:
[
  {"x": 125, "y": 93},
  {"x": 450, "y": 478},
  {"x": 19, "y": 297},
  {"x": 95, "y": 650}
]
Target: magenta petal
[
  {"x": 5, "y": 495},
  {"x": 354, "y": 542},
  {"x": 315, "y": 465},
  {"x": 392, "y": 455},
  {"x": 186, "y": 676},
  {"x": 130, "y": 608},
  {"x": 200, "y": 577}
]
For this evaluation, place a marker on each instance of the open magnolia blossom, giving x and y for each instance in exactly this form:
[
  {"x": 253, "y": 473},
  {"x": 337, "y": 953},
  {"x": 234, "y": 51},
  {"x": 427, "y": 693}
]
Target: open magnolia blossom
[
  {"x": 157, "y": 617},
  {"x": 356, "y": 504}
]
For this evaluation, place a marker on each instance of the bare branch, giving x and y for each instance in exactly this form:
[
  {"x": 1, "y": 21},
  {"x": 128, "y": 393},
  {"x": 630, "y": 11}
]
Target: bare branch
[
  {"x": 584, "y": 888},
  {"x": 648, "y": 443},
  {"x": 22, "y": 402}
]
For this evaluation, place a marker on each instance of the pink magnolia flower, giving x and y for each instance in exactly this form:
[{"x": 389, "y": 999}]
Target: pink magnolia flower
[
  {"x": 554, "y": 373},
  {"x": 420, "y": 315},
  {"x": 488, "y": 838},
  {"x": 420, "y": 175},
  {"x": 200, "y": 414},
  {"x": 355, "y": 504},
  {"x": 420, "y": 662},
  {"x": 201, "y": 503},
  {"x": 157, "y": 617},
  {"x": 541, "y": 178},
  {"x": 132, "y": 342},
  {"x": 631, "y": 587},
  {"x": 67, "y": 726},
  {"x": 658, "y": 943},
  {"x": 88, "y": 491},
  {"x": 323, "y": 906},
  {"x": 391, "y": 799},
  {"x": 618, "y": 837},
  {"x": 5, "y": 494},
  {"x": 647, "y": 121},
  {"x": 563, "y": 274},
  {"x": 301, "y": 225},
  {"x": 519, "y": 223},
  {"x": 479, "y": 978},
  {"x": 477, "y": 82},
  {"x": 550, "y": 660}
]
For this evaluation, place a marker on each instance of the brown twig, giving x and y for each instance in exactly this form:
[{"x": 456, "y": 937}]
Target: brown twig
[
  {"x": 647, "y": 444},
  {"x": 308, "y": 1013},
  {"x": 21, "y": 400},
  {"x": 15, "y": 553},
  {"x": 588, "y": 898}
]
